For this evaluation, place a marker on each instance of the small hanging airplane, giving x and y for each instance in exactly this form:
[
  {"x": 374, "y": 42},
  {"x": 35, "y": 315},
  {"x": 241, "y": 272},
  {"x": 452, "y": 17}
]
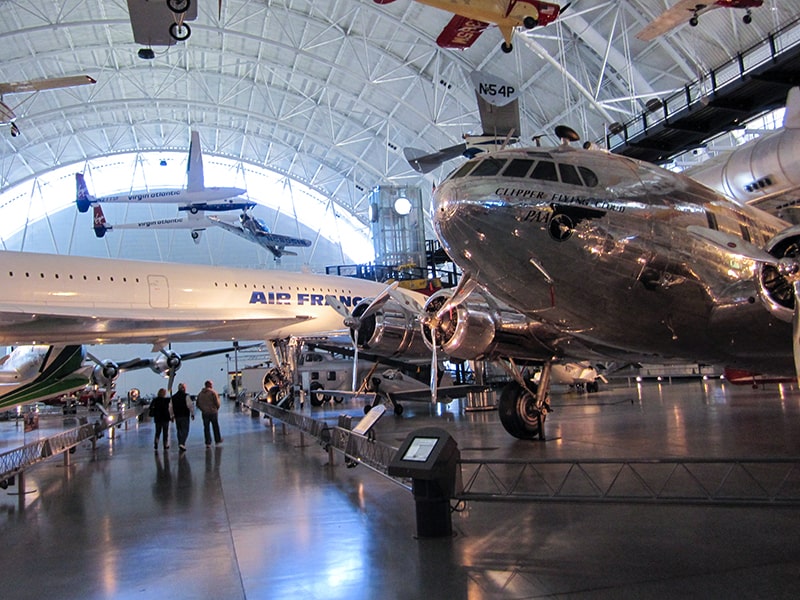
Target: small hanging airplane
[
  {"x": 690, "y": 10},
  {"x": 7, "y": 114},
  {"x": 255, "y": 230},
  {"x": 196, "y": 222},
  {"x": 195, "y": 197},
  {"x": 160, "y": 22},
  {"x": 472, "y": 17}
]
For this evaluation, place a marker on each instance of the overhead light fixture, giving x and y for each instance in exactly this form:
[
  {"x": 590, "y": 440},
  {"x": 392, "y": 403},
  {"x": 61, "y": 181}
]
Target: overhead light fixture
[{"x": 402, "y": 206}]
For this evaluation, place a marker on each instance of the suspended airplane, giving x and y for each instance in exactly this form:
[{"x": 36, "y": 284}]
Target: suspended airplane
[
  {"x": 690, "y": 10},
  {"x": 472, "y": 17},
  {"x": 255, "y": 230},
  {"x": 195, "y": 197},
  {"x": 498, "y": 105},
  {"x": 7, "y": 114},
  {"x": 160, "y": 23},
  {"x": 38, "y": 373},
  {"x": 764, "y": 172},
  {"x": 197, "y": 223}
]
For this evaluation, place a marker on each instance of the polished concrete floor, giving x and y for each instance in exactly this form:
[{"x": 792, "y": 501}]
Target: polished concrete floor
[{"x": 265, "y": 516}]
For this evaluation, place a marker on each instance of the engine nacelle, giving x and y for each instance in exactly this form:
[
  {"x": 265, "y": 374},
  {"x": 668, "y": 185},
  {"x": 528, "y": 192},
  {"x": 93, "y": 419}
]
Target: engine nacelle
[
  {"x": 105, "y": 373},
  {"x": 775, "y": 289},
  {"x": 164, "y": 362},
  {"x": 480, "y": 329},
  {"x": 390, "y": 331}
]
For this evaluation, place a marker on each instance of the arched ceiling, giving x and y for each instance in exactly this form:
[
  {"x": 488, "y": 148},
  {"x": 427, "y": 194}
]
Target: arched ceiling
[{"x": 329, "y": 92}]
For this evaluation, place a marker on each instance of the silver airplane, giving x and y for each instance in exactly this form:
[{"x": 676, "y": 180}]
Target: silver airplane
[
  {"x": 255, "y": 230},
  {"x": 573, "y": 253}
]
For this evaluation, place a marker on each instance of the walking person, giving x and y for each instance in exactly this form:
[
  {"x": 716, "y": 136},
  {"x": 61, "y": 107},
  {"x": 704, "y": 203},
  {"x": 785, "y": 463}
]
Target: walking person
[
  {"x": 183, "y": 411},
  {"x": 161, "y": 411},
  {"x": 208, "y": 405}
]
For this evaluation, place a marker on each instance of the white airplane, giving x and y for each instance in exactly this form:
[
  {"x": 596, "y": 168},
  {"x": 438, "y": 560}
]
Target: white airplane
[
  {"x": 195, "y": 222},
  {"x": 764, "y": 172},
  {"x": 52, "y": 299},
  {"x": 7, "y": 114},
  {"x": 195, "y": 197},
  {"x": 256, "y": 230},
  {"x": 690, "y": 11}
]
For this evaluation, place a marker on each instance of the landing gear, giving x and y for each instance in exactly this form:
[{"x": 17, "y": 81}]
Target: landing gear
[
  {"x": 507, "y": 48},
  {"x": 317, "y": 398},
  {"x": 530, "y": 22},
  {"x": 521, "y": 413},
  {"x": 179, "y": 6},
  {"x": 180, "y": 31},
  {"x": 693, "y": 21},
  {"x": 14, "y": 130},
  {"x": 747, "y": 18}
]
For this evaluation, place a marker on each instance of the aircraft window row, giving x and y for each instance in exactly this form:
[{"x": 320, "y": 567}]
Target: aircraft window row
[
  {"x": 281, "y": 288},
  {"x": 71, "y": 276},
  {"x": 544, "y": 170}
]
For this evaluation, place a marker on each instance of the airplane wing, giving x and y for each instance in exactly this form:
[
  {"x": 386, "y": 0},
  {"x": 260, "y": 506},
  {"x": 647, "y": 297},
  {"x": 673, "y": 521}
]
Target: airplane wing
[
  {"x": 66, "y": 325},
  {"x": 498, "y": 104},
  {"x": 151, "y": 21},
  {"x": 460, "y": 32},
  {"x": 38, "y": 85},
  {"x": 674, "y": 16}
]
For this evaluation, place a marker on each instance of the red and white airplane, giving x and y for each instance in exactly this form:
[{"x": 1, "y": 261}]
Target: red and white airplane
[
  {"x": 690, "y": 10},
  {"x": 473, "y": 16},
  {"x": 7, "y": 114}
]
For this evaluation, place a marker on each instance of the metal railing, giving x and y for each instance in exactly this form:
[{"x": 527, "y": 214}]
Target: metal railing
[{"x": 15, "y": 461}]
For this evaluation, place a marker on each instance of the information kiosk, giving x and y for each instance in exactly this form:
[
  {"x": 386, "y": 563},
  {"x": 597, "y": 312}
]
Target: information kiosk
[{"x": 430, "y": 456}]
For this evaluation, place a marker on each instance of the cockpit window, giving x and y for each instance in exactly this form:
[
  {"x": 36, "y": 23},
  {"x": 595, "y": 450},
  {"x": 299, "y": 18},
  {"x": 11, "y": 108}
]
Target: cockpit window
[
  {"x": 569, "y": 174},
  {"x": 518, "y": 167},
  {"x": 546, "y": 170},
  {"x": 488, "y": 167},
  {"x": 464, "y": 169},
  {"x": 589, "y": 178}
]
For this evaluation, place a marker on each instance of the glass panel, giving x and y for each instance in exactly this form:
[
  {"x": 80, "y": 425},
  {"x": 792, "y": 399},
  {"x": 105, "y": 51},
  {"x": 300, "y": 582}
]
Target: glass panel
[
  {"x": 518, "y": 167},
  {"x": 589, "y": 178},
  {"x": 544, "y": 170},
  {"x": 569, "y": 174},
  {"x": 488, "y": 167}
]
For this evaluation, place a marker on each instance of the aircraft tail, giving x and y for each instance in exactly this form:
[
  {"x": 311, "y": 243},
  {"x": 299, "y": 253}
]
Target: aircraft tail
[
  {"x": 82, "y": 196},
  {"x": 195, "y": 181},
  {"x": 100, "y": 225}
]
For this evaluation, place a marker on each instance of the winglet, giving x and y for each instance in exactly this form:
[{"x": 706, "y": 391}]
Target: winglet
[
  {"x": 100, "y": 225},
  {"x": 82, "y": 196}
]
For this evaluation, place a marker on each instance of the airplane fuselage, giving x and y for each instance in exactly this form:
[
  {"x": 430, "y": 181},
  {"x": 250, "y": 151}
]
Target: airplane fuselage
[
  {"x": 596, "y": 245},
  {"x": 65, "y": 299},
  {"x": 177, "y": 196}
]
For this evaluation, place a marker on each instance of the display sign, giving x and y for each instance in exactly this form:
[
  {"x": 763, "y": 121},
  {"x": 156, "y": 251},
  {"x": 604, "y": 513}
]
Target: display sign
[{"x": 420, "y": 449}]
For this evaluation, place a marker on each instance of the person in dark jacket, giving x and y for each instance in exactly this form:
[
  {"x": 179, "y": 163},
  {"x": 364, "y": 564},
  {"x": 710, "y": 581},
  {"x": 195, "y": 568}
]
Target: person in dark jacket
[
  {"x": 208, "y": 404},
  {"x": 161, "y": 411},
  {"x": 183, "y": 411}
]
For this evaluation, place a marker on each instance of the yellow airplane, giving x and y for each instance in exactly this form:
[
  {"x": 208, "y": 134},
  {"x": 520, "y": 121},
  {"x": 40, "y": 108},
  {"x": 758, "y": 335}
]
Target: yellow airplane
[{"x": 473, "y": 16}]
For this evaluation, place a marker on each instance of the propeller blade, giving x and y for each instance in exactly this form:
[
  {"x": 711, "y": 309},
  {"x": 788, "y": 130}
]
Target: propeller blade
[
  {"x": 379, "y": 300},
  {"x": 337, "y": 305},
  {"x": 170, "y": 381},
  {"x": 434, "y": 366},
  {"x": 796, "y": 330},
  {"x": 355, "y": 365},
  {"x": 466, "y": 285}
]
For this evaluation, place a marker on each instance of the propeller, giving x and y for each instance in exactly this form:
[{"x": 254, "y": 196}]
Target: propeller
[
  {"x": 353, "y": 322},
  {"x": 466, "y": 285},
  {"x": 789, "y": 267}
]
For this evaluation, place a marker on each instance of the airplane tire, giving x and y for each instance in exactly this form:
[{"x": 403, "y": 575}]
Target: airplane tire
[
  {"x": 529, "y": 22},
  {"x": 398, "y": 409},
  {"x": 180, "y": 32},
  {"x": 179, "y": 6},
  {"x": 747, "y": 19},
  {"x": 316, "y": 398},
  {"x": 518, "y": 412},
  {"x": 507, "y": 48},
  {"x": 693, "y": 21}
]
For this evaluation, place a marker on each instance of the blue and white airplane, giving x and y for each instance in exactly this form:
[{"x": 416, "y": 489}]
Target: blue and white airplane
[{"x": 194, "y": 198}]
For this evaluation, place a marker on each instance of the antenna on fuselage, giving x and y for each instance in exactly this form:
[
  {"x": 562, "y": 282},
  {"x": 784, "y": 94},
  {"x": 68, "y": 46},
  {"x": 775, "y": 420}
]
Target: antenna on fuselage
[{"x": 566, "y": 134}]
